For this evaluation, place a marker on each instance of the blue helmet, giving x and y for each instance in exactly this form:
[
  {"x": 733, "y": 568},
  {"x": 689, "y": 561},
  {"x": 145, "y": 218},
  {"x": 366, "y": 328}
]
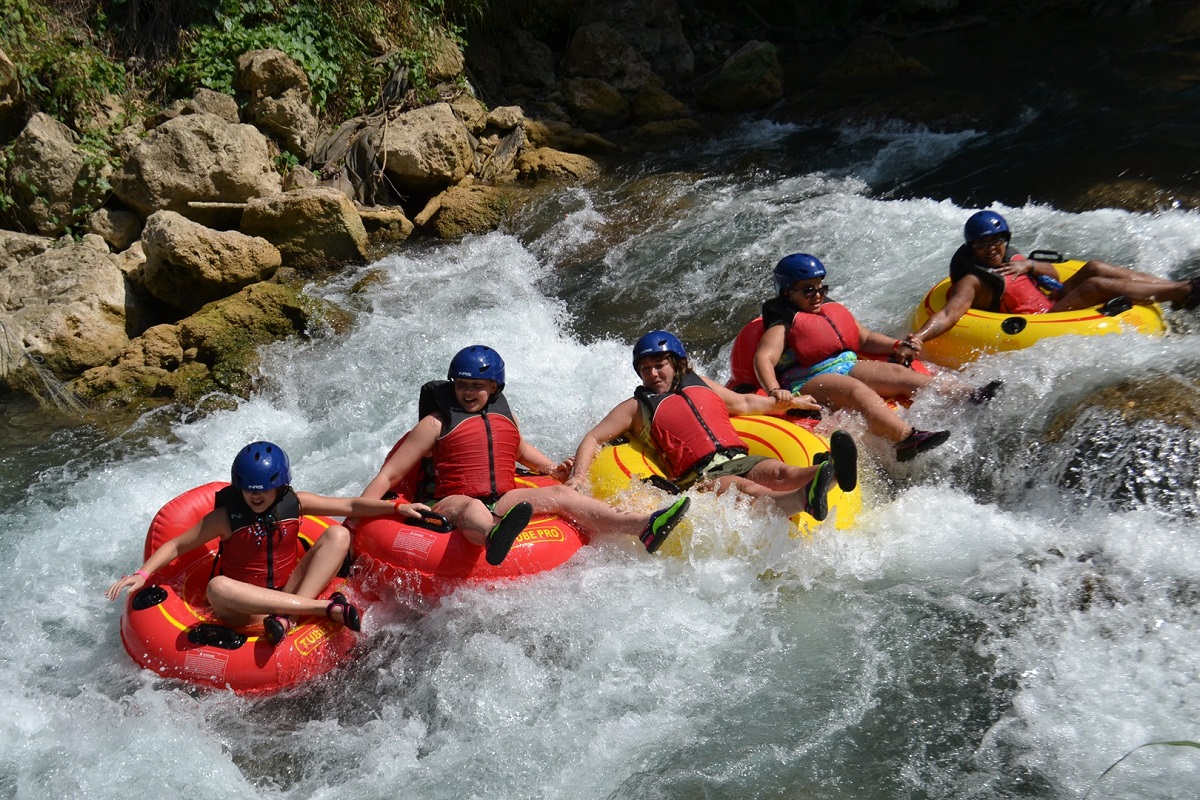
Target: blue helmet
[
  {"x": 655, "y": 343},
  {"x": 795, "y": 268},
  {"x": 261, "y": 466},
  {"x": 985, "y": 223},
  {"x": 478, "y": 362}
]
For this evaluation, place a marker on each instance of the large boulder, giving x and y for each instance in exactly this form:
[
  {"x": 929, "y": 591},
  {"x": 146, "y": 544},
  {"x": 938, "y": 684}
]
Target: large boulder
[
  {"x": 66, "y": 306},
  {"x": 197, "y": 158},
  {"x": 464, "y": 209},
  {"x": 444, "y": 62},
  {"x": 279, "y": 99},
  {"x": 215, "y": 349},
  {"x": 11, "y": 97},
  {"x": 512, "y": 57},
  {"x": 426, "y": 149},
  {"x": 188, "y": 265},
  {"x": 652, "y": 27},
  {"x": 544, "y": 163},
  {"x": 16, "y": 247},
  {"x": 54, "y": 181},
  {"x": 119, "y": 229},
  {"x": 600, "y": 51},
  {"x": 313, "y": 228},
  {"x": 870, "y": 63},
  {"x": 750, "y": 78},
  {"x": 203, "y": 101},
  {"x": 596, "y": 104}
]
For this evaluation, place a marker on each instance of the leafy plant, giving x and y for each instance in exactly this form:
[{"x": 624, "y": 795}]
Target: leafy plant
[{"x": 60, "y": 63}]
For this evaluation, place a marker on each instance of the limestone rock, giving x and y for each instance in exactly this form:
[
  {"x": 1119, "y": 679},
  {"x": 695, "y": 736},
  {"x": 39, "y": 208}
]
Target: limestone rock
[
  {"x": 426, "y": 150},
  {"x": 505, "y": 118},
  {"x": 543, "y": 163},
  {"x": 66, "y": 305},
  {"x": 53, "y": 180},
  {"x": 386, "y": 225},
  {"x": 188, "y": 265},
  {"x": 599, "y": 51},
  {"x": 596, "y": 104},
  {"x": 445, "y": 62},
  {"x": 280, "y": 99},
  {"x": 466, "y": 209},
  {"x": 119, "y": 229},
  {"x": 750, "y": 78},
  {"x": 313, "y": 228},
  {"x": 652, "y": 27},
  {"x": 869, "y": 60},
  {"x": 16, "y": 247},
  {"x": 653, "y": 104},
  {"x": 472, "y": 113},
  {"x": 196, "y": 158},
  {"x": 11, "y": 96}
]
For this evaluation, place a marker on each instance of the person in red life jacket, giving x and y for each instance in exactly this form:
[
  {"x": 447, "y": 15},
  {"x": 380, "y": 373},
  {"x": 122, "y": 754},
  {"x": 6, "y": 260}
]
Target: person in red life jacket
[
  {"x": 988, "y": 275},
  {"x": 257, "y": 577},
  {"x": 475, "y": 444},
  {"x": 811, "y": 345},
  {"x": 685, "y": 417}
]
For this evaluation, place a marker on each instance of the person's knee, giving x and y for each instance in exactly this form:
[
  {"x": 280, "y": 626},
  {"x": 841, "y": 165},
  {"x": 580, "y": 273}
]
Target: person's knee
[
  {"x": 335, "y": 537},
  {"x": 218, "y": 589}
]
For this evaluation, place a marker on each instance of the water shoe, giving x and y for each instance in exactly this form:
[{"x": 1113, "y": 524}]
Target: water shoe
[
  {"x": 500, "y": 538},
  {"x": 918, "y": 442},
  {"x": 818, "y": 489},
  {"x": 984, "y": 394},
  {"x": 662, "y": 522}
]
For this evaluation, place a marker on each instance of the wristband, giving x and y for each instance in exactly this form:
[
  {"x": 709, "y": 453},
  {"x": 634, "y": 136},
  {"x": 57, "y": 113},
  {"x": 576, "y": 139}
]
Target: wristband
[
  {"x": 145, "y": 577},
  {"x": 396, "y": 505}
]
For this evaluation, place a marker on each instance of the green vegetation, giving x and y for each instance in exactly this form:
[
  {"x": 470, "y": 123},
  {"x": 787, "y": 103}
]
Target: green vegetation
[{"x": 71, "y": 54}]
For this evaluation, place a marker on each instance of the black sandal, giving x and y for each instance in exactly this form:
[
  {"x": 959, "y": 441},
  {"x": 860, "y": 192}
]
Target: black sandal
[
  {"x": 276, "y": 626},
  {"x": 350, "y": 616}
]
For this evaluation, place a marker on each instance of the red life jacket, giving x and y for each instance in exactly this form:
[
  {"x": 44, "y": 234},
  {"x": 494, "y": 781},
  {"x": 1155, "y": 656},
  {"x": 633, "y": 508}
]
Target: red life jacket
[
  {"x": 1022, "y": 296},
  {"x": 262, "y": 548},
  {"x": 814, "y": 337},
  {"x": 476, "y": 453},
  {"x": 689, "y": 425},
  {"x": 1011, "y": 294},
  {"x": 742, "y": 377}
]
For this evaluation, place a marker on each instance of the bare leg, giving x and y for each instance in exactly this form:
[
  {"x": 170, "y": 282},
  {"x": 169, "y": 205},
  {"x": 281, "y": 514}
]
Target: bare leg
[
  {"x": 1097, "y": 282},
  {"x": 890, "y": 380},
  {"x": 470, "y": 516},
  {"x": 320, "y": 563},
  {"x": 241, "y": 603},
  {"x": 589, "y": 513},
  {"x": 843, "y": 391}
]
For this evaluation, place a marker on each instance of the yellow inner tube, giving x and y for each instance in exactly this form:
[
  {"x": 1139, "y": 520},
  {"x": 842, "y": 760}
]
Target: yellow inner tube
[
  {"x": 616, "y": 466},
  {"x": 980, "y": 332}
]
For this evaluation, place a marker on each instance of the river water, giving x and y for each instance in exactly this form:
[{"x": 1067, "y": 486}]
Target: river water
[{"x": 1010, "y": 615}]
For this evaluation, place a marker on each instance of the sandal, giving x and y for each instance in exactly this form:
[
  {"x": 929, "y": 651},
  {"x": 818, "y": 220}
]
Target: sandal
[
  {"x": 276, "y": 626},
  {"x": 350, "y": 616},
  {"x": 500, "y": 538}
]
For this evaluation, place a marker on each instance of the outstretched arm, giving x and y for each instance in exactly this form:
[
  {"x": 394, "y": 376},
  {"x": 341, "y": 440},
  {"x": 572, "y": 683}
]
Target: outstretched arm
[
  {"x": 740, "y": 404},
  {"x": 418, "y": 445},
  {"x": 616, "y": 423},
  {"x": 958, "y": 301},
  {"x": 214, "y": 524},
  {"x": 357, "y": 506}
]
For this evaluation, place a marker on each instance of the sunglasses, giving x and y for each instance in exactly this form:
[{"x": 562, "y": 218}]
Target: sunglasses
[{"x": 809, "y": 291}]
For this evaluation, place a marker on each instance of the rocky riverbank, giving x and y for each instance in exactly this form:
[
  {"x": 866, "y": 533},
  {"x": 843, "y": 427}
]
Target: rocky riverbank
[{"x": 219, "y": 207}]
